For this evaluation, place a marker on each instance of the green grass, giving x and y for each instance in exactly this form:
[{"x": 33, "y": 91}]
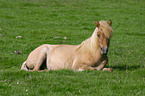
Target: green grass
[{"x": 38, "y": 21}]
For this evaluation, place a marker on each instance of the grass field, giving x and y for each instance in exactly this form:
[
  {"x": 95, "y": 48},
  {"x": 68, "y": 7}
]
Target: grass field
[{"x": 39, "y": 21}]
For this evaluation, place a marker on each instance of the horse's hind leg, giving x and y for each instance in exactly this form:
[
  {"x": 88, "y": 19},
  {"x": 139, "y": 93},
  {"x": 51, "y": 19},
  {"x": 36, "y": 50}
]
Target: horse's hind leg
[
  {"x": 42, "y": 57},
  {"x": 47, "y": 60}
]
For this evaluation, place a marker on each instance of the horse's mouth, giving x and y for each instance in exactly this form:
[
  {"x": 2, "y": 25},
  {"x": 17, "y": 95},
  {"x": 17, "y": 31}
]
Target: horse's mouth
[{"x": 104, "y": 51}]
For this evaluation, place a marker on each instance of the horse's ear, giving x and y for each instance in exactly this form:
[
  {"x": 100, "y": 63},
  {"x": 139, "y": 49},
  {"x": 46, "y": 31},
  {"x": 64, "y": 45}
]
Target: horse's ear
[
  {"x": 110, "y": 22},
  {"x": 97, "y": 23}
]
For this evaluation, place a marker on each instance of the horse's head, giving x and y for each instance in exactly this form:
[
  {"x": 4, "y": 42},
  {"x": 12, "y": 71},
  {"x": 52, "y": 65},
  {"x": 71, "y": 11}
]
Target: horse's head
[{"x": 103, "y": 34}]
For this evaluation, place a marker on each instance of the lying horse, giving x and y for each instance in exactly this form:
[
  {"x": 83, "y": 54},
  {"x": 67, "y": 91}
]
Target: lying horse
[{"x": 91, "y": 54}]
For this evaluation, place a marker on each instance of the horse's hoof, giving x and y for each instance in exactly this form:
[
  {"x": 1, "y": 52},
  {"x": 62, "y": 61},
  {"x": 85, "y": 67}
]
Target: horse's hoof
[{"x": 108, "y": 69}]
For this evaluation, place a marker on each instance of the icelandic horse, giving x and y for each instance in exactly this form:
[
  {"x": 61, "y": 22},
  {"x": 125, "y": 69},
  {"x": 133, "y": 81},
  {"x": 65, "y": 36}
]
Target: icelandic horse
[{"x": 91, "y": 54}]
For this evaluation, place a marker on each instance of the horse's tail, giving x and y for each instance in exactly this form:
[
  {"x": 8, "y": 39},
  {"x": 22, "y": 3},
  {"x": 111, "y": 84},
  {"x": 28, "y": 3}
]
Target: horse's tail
[{"x": 24, "y": 66}]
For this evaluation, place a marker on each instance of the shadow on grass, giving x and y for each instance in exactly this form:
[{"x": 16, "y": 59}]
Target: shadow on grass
[{"x": 126, "y": 67}]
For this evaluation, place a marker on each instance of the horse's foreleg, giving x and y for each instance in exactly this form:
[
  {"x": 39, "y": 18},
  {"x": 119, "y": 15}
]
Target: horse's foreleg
[
  {"x": 81, "y": 67},
  {"x": 103, "y": 63},
  {"x": 107, "y": 69},
  {"x": 42, "y": 57},
  {"x": 85, "y": 67},
  {"x": 101, "y": 66}
]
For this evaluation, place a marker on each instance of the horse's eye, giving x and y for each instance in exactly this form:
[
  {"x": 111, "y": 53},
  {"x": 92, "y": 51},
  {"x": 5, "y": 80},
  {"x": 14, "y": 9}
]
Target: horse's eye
[{"x": 98, "y": 35}]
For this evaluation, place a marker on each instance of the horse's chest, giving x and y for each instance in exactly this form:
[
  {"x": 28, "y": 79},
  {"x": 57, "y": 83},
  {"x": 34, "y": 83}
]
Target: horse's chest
[{"x": 93, "y": 60}]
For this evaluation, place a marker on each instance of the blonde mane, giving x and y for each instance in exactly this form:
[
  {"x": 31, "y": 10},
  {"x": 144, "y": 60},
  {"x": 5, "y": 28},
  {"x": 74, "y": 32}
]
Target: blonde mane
[{"x": 89, "y": 45}]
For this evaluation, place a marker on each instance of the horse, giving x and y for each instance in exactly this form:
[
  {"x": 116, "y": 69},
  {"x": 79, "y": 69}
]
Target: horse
[{"x": 91, "y": 54}]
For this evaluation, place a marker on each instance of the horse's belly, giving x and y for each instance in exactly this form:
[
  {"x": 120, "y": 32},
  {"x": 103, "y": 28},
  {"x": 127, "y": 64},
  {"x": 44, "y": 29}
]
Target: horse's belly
[
  {"x": 59, "y": 62},
  {"x": 61, "y": 57},
  {"x": 56, "y": 64}
]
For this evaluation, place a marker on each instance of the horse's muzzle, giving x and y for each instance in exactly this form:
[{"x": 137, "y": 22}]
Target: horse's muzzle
[{"x": 104, "y": 50}]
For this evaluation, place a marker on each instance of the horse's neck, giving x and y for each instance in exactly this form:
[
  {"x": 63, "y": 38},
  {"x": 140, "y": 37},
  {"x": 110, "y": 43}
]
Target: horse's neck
[
  {"x": 90, "y": 44},
  {"x": 93, "y": 40}
]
